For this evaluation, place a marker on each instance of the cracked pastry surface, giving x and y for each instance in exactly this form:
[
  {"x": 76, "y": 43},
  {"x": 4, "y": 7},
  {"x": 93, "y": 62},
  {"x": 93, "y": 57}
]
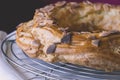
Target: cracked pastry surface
[{"x": 83, "y": 33}]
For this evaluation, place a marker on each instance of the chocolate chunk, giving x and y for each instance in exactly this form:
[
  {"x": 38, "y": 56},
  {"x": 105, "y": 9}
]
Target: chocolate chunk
[
  {"x": 66, "y": 38},
  {"x": 95, "y": 42},
  {"x": 51, "y": 49}
]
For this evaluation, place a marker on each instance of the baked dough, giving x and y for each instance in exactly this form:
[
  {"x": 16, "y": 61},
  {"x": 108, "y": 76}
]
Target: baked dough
[{"x": 85, "y": 33}]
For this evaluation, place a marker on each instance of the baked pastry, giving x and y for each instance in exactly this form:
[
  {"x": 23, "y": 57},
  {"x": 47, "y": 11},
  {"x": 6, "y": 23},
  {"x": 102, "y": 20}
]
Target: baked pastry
[{"x": 83, "y": 33}]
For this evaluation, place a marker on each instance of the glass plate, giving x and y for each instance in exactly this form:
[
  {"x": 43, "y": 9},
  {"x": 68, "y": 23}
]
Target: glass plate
[{"x": 50, "y": 71}]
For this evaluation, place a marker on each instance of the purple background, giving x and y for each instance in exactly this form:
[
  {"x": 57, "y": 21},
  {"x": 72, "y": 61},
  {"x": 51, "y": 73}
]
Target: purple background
[{"x": 114, "y": 2}]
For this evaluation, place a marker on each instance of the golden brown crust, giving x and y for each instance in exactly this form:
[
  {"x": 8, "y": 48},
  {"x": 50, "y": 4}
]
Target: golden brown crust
[{"x": 80, "y": 33}]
